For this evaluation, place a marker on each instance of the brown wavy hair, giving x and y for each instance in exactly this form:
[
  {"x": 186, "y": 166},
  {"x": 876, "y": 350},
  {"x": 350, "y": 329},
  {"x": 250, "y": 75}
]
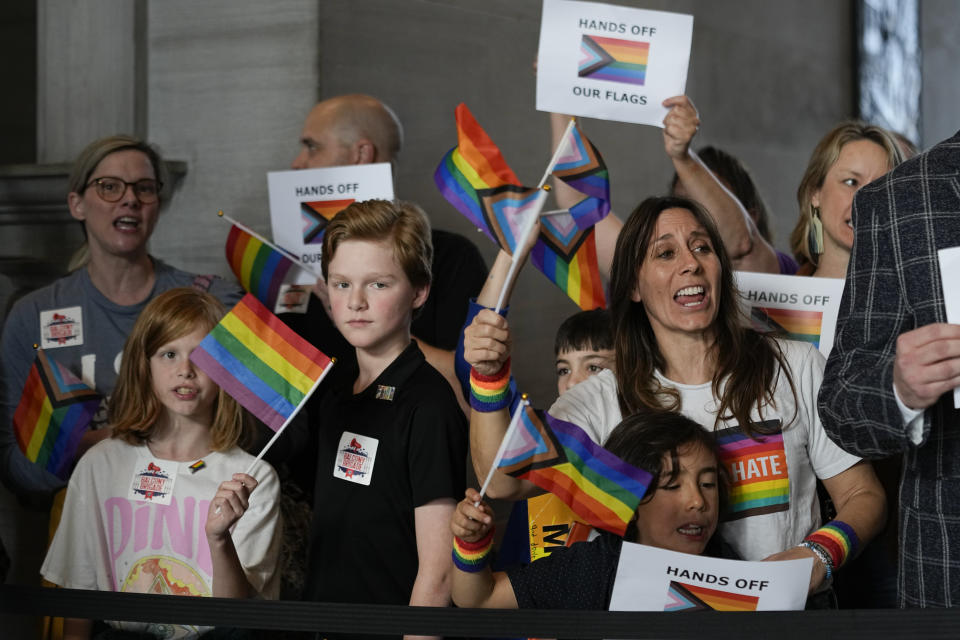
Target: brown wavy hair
[
  {"x": 133, "y": 410},
  {"x": 747, "y": 363}
]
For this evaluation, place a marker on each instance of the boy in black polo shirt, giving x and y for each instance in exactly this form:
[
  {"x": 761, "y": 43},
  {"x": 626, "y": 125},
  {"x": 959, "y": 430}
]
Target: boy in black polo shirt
[{"x": 392, "y": 452}]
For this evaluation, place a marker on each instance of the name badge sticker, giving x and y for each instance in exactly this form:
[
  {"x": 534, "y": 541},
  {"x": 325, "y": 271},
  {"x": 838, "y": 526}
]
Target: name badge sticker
[
  {"x": 61, "y": 328},
  {"x": 355, "y": 458},
  {"x": 154, "y": 482}
]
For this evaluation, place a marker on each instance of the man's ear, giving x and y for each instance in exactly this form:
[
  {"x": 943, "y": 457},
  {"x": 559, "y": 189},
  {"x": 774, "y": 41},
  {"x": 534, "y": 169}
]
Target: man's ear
[
  {"x": 364, "y": 151},
  {"x": 75, "y": 203}
]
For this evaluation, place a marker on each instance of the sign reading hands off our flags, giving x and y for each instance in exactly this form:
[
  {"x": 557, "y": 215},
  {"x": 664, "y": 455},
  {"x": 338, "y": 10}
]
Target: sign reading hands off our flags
[
  {"x": 561, "y": 458},
  {"x": 474, "y": 178},
  {"x": 261, "y": 362},
  {"x": 55, "y": 410}
]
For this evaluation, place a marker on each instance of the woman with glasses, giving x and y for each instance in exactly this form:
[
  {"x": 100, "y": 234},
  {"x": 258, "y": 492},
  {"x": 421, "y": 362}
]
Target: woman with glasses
[{"x": 82, "y": 320}]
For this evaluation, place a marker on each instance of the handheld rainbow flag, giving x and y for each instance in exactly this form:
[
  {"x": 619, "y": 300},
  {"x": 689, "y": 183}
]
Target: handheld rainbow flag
[
  {"x": 262, "y": 363},
  {"x": 579, "y": 164},
  {"x": 55, "y": 410},
  {"x": 474, "y": 178},
  {"x": 561, "y": 458},
  {"x": 259, "y": 266}
]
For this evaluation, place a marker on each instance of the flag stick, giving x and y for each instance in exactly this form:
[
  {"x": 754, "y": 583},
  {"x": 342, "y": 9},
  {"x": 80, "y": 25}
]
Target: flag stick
[
  {"x": 514, "y": 422},
  {"x": 292, "y": 415},
  {"x": 556, "y": 154},
  {"x": 528, "y": 228},
  {"x": 294, "y": 259}
]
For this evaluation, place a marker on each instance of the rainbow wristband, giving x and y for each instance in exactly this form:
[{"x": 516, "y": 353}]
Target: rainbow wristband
[
  {"x": 838, "y": 539},
  {"x": 472, "y": 556},
  {"x": 490, "y": 393}
]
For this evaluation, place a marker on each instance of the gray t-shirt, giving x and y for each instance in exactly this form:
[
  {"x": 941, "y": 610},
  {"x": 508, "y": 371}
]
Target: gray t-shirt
[{"x": 82, "y": 330}]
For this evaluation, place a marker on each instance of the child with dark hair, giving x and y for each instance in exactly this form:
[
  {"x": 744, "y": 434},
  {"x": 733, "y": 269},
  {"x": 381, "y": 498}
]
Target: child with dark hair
[
  {"x": 392, "y": 438},
  {"x": 583, "y": 347},
  {"x": 679, "y": 513}
]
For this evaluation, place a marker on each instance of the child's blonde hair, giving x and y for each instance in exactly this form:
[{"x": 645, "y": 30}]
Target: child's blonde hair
[{"x": 134, "y": 409}]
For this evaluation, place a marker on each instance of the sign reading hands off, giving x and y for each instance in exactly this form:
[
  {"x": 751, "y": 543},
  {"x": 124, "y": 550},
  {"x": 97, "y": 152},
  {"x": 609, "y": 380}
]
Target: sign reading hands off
[{"x": 609, "y": 62}]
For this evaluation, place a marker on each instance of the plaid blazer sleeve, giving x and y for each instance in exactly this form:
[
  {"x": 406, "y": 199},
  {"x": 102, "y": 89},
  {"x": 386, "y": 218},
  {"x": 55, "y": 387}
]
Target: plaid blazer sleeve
[{"x": 893, "y": 285}]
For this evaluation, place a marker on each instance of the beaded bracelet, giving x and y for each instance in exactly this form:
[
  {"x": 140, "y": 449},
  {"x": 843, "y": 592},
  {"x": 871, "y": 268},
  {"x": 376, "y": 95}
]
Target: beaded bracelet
[
  {"x": 490, "y": 393},
  {"x": 472, "y": 556},
  {"x": 822, "y": 554},
  {"x": 838, "y": 539}
]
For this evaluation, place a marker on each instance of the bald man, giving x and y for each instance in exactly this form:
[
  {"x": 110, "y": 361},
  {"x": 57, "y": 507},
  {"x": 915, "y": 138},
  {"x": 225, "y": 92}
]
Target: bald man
[{"x": 360, "y": 129}]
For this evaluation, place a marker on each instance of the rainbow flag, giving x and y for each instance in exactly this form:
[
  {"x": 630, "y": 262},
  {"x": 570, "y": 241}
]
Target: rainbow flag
[
  {"x": 261, "y": 362},
  {"x": 580, "y": 165},
  {"x": 692, "y": 597},
  {"x": 560, "y": 457},
  {"x": 259, "y": 267},
  {"x": 55, "y": 410},
  {"x": 317, "y": 215},
  {"x": 613, "y": 59},
  {"x": 757, "y": 469},
  {"x": 474, "y": 178},
  {"x": 795, "y": 324}
]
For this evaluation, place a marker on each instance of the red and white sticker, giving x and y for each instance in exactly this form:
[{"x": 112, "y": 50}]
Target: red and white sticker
[
  {"x": 153, "y": 481},
  {"x": 355, "y": 458},
  {"x": 61, "y": 328}
]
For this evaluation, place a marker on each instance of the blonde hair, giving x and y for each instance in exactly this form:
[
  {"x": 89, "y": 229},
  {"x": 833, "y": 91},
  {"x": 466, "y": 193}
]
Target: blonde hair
[
  {"x": 403, "y": 224},
  {"x": 87, "y": 162},
  {"x": 134, "y": 409},
  {"x": 824, "y": 156}
]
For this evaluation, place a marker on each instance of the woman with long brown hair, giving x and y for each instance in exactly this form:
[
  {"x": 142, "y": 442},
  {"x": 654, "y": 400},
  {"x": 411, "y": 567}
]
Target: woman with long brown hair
[{"x": 681, "y": 345}]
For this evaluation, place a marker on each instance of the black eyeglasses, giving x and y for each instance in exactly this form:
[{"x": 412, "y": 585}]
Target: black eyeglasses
[{"x": 111, "y": 189}]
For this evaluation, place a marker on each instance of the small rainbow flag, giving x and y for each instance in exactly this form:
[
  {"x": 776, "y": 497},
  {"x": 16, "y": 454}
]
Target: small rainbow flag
[
  {"x": 317, "y": 215},
  {"x": 560, "y": 457},
  {"x": 259, "y": 267},
  {"x": 795, "y": 324},
  {"x": 691, "y": 597},
  {"x": 580, "y": 165},
  {"x": 55, "y": 410},
  {"x": 475, "y": 179},
  {"x": 261, "y": 362},
  {"x": 613, "y": 59},
  {"x": 757, "y": 469}
]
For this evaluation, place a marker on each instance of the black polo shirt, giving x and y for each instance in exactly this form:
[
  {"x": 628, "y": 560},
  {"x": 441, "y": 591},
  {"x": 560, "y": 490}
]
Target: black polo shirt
[{"x": 397, "y": 445}]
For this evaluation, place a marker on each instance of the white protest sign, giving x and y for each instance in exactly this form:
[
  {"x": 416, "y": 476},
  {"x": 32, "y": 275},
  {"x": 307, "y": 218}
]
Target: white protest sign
[
  {"x": 302, "y": 202},
  {"x": 950, "y": 263},
  {"x": 800, "y": 308},
  {"x": 652, "y": 579},
  {"x": 609, "y": 62}
]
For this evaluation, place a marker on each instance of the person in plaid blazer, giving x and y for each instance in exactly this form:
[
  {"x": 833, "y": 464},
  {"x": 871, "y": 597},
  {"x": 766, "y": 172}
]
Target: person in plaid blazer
[{"x": 888, "y": 381}]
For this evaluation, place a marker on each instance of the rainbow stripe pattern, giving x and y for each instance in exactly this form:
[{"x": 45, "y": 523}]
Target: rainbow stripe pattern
[
  {"x": 795, "y": 324},
  {"x": 613, "y": 59},
  {"x": 560, "y": 457},
  {"x": 472, "y": 556},
  {"x": 474, "y": 178},
  {"x": 581, "y": 166},
  {"x": 260, "y": 361},
  {"x": 317, "y": 215},
  {"x": 54, "y": 412},
  {"x": 838, "y": 539},
  {"x": 259, "y": 267},
  {"x": 490, "y": 393},
  {"x": 757, "y": 468},
  {"x": 689, "y": 597},
  {"x": 568, "y": 256}
]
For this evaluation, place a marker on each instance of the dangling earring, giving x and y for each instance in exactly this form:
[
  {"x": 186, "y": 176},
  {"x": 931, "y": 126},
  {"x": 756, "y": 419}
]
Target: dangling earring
[{"x": 815, "y": 239}]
